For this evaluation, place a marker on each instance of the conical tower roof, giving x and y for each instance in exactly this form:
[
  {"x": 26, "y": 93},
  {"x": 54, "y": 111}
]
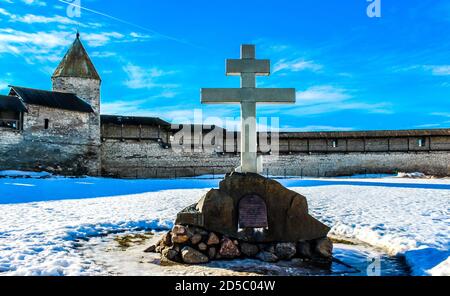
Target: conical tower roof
[{"x": 76, "y": 63}]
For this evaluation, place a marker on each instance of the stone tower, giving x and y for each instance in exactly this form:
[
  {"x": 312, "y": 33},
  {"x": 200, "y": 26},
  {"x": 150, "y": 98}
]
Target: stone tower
[{"x": 76, "y": 74}]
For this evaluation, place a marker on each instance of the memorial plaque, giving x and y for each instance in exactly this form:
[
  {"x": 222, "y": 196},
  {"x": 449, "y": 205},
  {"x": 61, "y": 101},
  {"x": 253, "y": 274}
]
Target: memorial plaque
[{"x": 252, "y": 212}]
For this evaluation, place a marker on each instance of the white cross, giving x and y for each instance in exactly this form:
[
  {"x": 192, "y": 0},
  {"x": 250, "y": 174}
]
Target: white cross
[{"x": 248, "y": 96}]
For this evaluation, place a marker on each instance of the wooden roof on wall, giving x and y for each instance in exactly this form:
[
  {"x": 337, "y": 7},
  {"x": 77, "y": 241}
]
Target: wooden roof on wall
[
  {"x": 10, "y": 103},
  {"x": 133, "y": 120},
  {"x": 367, "y": 134},
  {"x": 52, "y": 99}
]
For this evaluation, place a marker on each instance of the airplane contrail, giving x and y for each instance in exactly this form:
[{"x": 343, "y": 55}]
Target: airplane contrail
[{"x": 130, "y": 24}]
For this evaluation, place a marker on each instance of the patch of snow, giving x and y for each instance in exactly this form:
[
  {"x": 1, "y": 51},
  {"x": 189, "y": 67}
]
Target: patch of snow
[
  {"x": 367, "y": 176},
  {"x": 403, "y": 221},
  {"x": 20, "y": 184},
  {"x": 40, "y": 225},
  {"x": 23, "y": 174},
  {"x": 415, "y": 175},
  {"x": 38, "y": 238},
  {"x": 442, "y": 269}
]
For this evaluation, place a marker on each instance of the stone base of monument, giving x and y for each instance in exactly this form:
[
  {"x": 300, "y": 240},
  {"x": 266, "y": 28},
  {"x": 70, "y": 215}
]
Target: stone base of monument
[{"x": 249, "y": 216}]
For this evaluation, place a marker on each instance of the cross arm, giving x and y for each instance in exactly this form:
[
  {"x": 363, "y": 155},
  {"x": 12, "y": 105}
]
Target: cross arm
[
  {"x": 239, "y": 95},
  {"x": 257, "y": 67},
  {"x": 274, "y": 95},
  {"x": 220, "y": 95}
]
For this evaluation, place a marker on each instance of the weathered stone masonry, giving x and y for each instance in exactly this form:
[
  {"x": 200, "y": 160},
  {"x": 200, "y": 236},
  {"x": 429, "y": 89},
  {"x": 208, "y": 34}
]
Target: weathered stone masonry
[
  {"x": 301, "y": 154},
  {"x": 148, "y": 159},
  {"x": 68, "y": 146}
]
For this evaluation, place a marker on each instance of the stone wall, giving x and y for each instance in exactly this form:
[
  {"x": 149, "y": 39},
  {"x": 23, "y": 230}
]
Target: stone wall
[
  {"x": 148, "y": 159},
  {"x": 88, "y": 90},
  {"x": 71, "y": 142},
  {"x": 345, "y": 164}
]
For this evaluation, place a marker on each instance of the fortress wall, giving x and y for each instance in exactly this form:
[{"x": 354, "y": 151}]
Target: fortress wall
[
  {"x": 147, "y": 159},
  {"x": 70, "y": 143},
  {"x": 345, "y": 164}
]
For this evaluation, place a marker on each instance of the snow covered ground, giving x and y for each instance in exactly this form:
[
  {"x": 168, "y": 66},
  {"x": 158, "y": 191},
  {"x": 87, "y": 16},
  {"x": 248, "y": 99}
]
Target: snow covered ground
[{"x": 42, "y": 217}]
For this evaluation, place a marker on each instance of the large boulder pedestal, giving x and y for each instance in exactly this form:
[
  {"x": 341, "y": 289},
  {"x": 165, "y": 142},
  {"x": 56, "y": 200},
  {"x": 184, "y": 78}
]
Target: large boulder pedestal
[{"x": 248, "y": 216}]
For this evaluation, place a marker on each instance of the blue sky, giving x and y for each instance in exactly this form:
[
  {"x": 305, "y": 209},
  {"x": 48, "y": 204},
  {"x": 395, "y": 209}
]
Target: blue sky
[{"x": 351, "y": 72}]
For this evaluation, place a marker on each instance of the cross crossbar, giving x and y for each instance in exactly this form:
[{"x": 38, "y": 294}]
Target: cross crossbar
[{"x": 239, "y": 95}]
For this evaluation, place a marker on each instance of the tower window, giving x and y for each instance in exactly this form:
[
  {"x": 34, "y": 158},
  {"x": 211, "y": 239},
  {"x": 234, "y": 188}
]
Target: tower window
[
  {"x": 46, "y": 122},
  {"x": 334, "y": 143},
  {"x": 421, "y": 142}
]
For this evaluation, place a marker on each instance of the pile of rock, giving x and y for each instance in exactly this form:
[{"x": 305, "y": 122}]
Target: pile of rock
[{"x": 195, "y": 245}]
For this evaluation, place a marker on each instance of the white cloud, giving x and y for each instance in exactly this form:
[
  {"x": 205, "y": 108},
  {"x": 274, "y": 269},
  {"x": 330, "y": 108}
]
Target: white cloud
[
  {"x": 40, "y": 19},
  {"x": 377, "y": 108},
  {"x": 121, "y": 107},
  {"x": 103, "y": 54},
  {"x": 442, "y": 114},
  {"x": 28, "y": 2},
  {"x": 436, "y": 70},
  {"x": 277, "y": 48},
  {"x": 42, "y": 46},
  {"x": 4, "y": 12},
  {"x": 61, "y": 20},
  {"x": 296, "y": 66},
  {"x": 3, "y": 85},
  {"x": 44, "y": 40},
  {"x": 439, "y": 70},
  {"x": 100, "y": 39},
  {"x": 139, "y": 36},
  {"x": 139, "y": 78},
  {"x": 138, "y": 108},
  {"x": 35, "y": 2},
  {"x": 321, "y": 94},
  {"x": 428, "y": 125},
  {"x": 168, "y": 94},
  {"x": 326, "y": 99}
]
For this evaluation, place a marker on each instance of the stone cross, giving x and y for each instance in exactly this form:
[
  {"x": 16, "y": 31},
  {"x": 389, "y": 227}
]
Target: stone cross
[{"x": 248, "y": 67}]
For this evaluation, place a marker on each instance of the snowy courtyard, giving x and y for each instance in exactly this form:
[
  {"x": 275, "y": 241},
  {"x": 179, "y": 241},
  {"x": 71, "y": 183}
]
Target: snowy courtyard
[{"x": 43, "y": 218}]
